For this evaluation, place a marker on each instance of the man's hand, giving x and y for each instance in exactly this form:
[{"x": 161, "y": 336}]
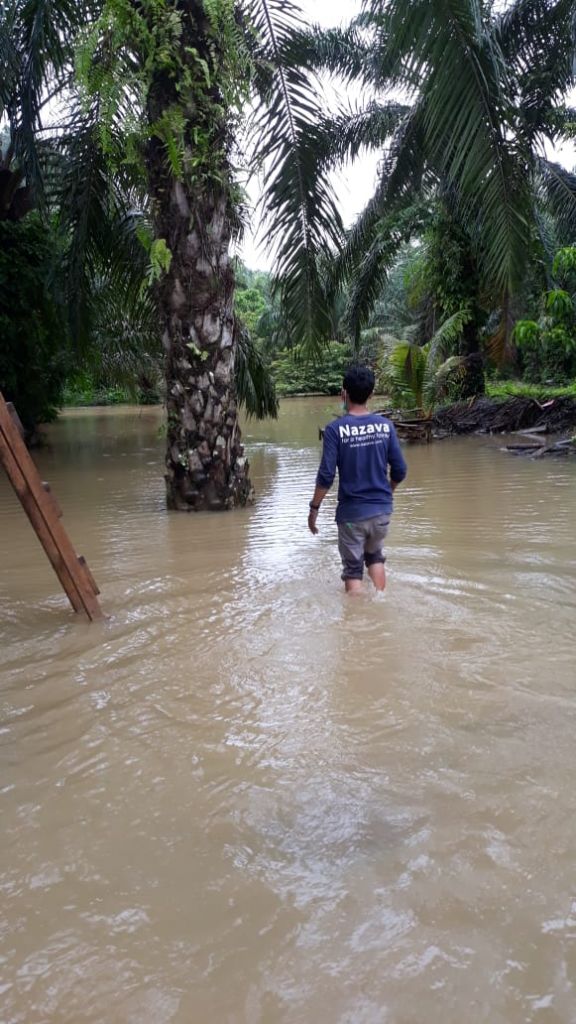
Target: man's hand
[
  {"x": 312, "y": 517},
  {"x": 319, "y": 495}
]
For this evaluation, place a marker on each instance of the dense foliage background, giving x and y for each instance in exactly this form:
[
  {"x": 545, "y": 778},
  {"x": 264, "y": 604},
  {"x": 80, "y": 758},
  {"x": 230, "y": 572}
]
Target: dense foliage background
[{"x": 460, "y": 270}]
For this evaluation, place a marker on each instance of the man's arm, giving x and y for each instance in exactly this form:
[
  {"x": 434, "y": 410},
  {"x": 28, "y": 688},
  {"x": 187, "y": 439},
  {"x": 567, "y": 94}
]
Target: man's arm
[
  {"x": 325, "y": 477},
  {"x": 398, "y": 467},
  {"x": 319, "y": 495}
]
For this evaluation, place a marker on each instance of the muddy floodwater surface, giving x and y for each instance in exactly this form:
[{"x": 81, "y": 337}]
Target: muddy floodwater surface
[{"x": 246, "y": 799}]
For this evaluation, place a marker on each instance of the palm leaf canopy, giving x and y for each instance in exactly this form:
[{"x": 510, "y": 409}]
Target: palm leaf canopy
[
  {"x": 478, "y": 92},
  {"x": 298, "y": 205},
  {"x": 483, "y": 90},
  {"x": 466, "y": 120},
  {"x": 36, "y": 67}
]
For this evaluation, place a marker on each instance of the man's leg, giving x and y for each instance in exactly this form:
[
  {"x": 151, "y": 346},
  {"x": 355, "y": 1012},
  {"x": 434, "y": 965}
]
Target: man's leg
[
  {"x": 351, "y": 539},
  {"x": 377, "y": 573},
  {"x": 353, "y": 587},
  {"x": 374, "y": 557}
]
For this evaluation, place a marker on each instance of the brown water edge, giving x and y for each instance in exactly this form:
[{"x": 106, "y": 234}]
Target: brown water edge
[{"x": 244, "y": 798}]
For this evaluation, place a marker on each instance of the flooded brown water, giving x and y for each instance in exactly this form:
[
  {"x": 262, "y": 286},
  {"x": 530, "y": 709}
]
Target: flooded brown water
[{"x": 246, "y": 799}]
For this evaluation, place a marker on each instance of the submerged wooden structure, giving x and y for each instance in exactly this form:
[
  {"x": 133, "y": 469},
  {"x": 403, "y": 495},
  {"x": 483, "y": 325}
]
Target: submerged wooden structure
[
  {"x": 45, "y": 514},
  {"x": 418, "y": 429}
]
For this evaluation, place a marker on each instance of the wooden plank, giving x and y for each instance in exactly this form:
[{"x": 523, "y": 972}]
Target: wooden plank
[
  {"x": 40, "y": 508},
  {"x": 53, "y": 501},
  {"x": 15, "y": 417},
  {"x": 529, "y": 431},
  {"x": 526, "y": 447},
  {"x": 88, "y": 574},
  {"x": 38, "y": 522}
]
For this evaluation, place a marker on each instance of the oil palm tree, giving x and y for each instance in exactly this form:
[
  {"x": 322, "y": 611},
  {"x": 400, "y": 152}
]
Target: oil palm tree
[
  {"x": 145, "y": 148},
  {"x": 165, "y": 86},
  {"x": 485, "y": 89}
]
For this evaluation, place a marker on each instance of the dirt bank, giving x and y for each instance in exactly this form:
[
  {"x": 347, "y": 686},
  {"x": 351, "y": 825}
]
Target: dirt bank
[{"x": 503, "y": 416}]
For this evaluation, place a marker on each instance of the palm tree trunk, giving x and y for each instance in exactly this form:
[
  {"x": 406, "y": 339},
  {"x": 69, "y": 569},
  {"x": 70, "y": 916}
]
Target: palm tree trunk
[
  {"x": 205, "y": 464},
  {"x": 472, "y": 377}
]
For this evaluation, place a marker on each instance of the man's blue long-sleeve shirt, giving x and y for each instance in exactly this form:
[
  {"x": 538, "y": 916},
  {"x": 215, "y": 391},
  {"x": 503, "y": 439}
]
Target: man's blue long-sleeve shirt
[{"x": 361, "y": 448}]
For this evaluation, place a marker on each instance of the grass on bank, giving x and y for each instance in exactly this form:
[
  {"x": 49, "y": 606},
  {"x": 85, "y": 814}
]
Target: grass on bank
[
  {"x": 519, "y": 389},
  {"x": 85, "y": 394},
  {"x": 77, "y": 395}
]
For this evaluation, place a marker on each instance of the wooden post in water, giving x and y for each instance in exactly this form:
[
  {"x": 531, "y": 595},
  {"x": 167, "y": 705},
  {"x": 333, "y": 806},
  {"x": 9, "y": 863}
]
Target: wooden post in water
[{"x": 44, "y": 513}]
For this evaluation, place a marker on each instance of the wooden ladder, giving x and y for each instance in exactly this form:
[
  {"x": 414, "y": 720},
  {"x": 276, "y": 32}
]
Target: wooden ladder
[{"x": 44, "y": 513}]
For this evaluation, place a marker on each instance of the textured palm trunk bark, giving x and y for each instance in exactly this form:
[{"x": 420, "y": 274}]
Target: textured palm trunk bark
[
  {"x": 472, "y": 376},
  {"x": 472, "y": 380},
  {"x": 205, "y": 464}
]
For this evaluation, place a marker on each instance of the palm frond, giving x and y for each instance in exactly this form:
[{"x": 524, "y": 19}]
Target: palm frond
[
  {"x": 401, "y": 178},
  {"x": 255, "y": 387},
  {"x": 548, "y": 239},
  {"x": 359, "y": 240},
  {"x": 99, "y": 213},
  {"x": 9, "y": 57},
  {"x": 344, "y": 52},
  {"x": 371, "y": 247},
  {"x": 526, "y": 28},
  {"x": 370, "y": 273},
  {"x": 446, "y": 337},
  {"x": 407, "y": 371},
  {"x": 465, "y": 132},
  {"x": 125, "y": 348},
  {"x": 299, "y": 206},
  {"x": 443, "y": 382},
  {"x": 369, "y": 278},
  {"x": 340, "y": 137},
  {"x": 42, "y": 33},
  {"x": 558, "y": 189},
  {"x": 538, "y": 40}
]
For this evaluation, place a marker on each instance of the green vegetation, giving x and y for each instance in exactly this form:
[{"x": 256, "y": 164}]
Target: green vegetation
[
  {"x": 547, "y": 346},
  {"x": 82, "y": 391},
  {"x": 120, "y": 216},
  {"x": 33, "y": 330},
  {"x": 520, "y": 389},
  {"x": 296, "y": 376}
]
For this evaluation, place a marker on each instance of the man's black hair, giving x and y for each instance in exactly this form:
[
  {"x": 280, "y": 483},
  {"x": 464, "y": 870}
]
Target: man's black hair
[{"x": 359, "y": 384}]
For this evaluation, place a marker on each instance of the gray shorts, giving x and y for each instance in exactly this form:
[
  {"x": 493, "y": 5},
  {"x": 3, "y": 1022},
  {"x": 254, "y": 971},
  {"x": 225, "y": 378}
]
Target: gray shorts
[{"x": 360, "y": 544}]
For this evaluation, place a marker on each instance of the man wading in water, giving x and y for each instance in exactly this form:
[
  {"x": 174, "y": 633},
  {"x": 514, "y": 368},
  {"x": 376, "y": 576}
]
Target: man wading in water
[{"x": 361, "y": 445}]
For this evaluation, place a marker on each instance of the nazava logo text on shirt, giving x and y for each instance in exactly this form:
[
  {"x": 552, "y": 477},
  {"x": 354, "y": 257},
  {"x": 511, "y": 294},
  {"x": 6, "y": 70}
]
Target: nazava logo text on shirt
[{"x": 347, "y": 430}]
